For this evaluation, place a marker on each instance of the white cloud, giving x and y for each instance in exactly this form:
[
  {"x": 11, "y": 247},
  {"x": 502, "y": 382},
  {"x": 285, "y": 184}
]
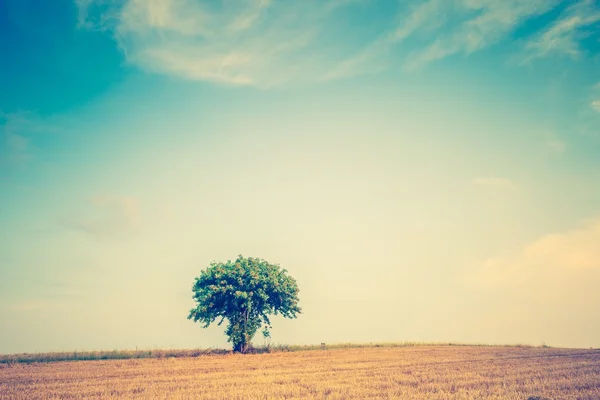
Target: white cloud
[
  {"x": 175, "y": 16},
  {"x": 445, "y": 28},
  {"x": 595, "y": 104},
  {"x": 493, "y": 22},
  {"x": 495, "y": 182},
  {"x": 96, "y": 14},
  {"x": 427, "y": 15},
  {"x": 245, "y": 21},
  {"x": 83, "y": 11},
  {"x": 553, "y": 257},
  {"x": 564, "y": 35},
  {"x": 267, "y": 43},
  {"x": 250, "y": 42}
]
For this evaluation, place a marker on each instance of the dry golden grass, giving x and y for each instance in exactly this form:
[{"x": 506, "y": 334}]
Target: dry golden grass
[{"x": 421, "y": 372}]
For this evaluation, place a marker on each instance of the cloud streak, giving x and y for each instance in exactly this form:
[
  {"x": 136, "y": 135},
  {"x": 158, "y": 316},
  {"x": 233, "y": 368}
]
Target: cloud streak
[
  {"x": 268, "y": 43},
  {"x": 484, "y": 23},
  {"x": 564, "y": 35},
  {"x": 445, "y": 28},
  {"x": 252, "y": 42}
]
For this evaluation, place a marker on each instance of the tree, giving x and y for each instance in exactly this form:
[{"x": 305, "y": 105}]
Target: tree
[{"x": 245, "y": 292}]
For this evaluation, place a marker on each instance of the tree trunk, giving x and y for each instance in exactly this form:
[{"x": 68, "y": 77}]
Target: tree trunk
[
  {"x": 245, "y": 333},
  {"x": 240, "y": 332},
  {"x": 237, "y": 347},
  {"x": 241, "y": 346}
]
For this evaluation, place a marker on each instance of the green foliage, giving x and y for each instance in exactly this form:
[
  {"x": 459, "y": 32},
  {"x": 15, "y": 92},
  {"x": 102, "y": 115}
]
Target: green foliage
[
  {"x": 244, "y": 292},
  {"x": 266, "y": 333}
]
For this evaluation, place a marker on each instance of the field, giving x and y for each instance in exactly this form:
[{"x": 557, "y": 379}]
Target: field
[{"x": 416, "y": 372}]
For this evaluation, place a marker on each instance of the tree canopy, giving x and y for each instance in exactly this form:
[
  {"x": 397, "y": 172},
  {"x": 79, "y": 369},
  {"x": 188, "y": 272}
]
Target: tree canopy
[{"x": 243, "y": 292}]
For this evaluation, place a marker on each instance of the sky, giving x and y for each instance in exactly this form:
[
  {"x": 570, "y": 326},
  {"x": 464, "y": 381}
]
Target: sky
[{"x": 426, "y": 170}]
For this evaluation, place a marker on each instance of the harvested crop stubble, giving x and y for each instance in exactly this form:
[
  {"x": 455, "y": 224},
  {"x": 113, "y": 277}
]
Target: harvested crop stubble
[{"x": 428, "y": 372}]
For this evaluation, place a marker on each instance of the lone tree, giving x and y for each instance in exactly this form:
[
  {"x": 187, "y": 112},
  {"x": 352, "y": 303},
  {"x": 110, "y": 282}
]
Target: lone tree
[{"x": 245, "y": 292}]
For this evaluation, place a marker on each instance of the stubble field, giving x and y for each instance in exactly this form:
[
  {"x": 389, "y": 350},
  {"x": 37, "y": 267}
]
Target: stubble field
[{"x": 421, "y": 372}]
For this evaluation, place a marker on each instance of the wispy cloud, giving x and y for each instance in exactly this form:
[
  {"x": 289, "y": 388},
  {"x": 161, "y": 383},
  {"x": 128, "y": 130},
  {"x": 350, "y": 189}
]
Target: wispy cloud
[
  {"x": 247, "y": 20},
  {"x": 424, "y": 16},
  {"x": 495, "y": 182},
  {"x": 484, "y": 23},
  {"x": 252, "y": 42},
  {"x": 106, "y": 217},
  {"x": 445, "y": 28},
  {"x": 427, "y": 15},
  {"x": 82, "y": 11},
  {"x": 595, "y": 104},
  {"x": 564, "y": 35},
  {"x": 268, "y": 43},
  {"x": 96, "y": 14},
  {"x": 552, "y": 256}
]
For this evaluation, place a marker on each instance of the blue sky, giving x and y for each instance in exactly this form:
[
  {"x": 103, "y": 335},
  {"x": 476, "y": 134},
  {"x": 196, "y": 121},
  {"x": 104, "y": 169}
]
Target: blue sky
[{"x": 427, "y": 170}]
